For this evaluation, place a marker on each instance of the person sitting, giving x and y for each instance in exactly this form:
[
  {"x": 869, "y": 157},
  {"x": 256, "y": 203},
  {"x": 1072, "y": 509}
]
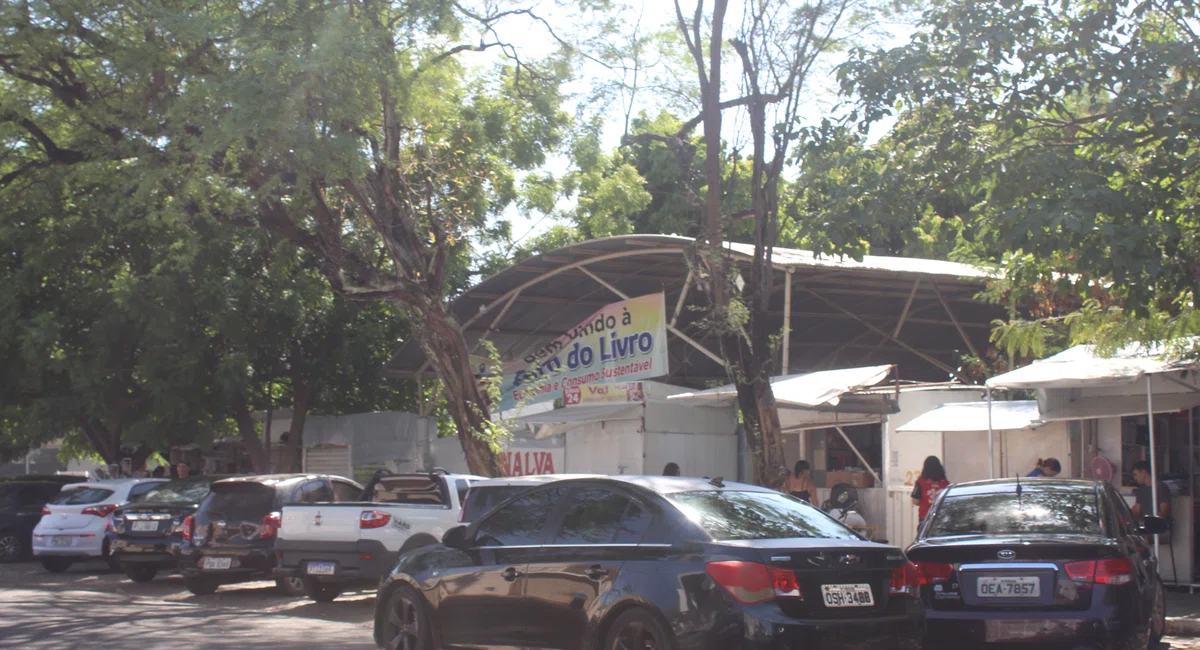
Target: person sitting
[
  {"x": 1143, "y": 507},
  {"x": 671, "y": 469},
  {"x": 1048, "y": 468},
  {"x": 800, "y": 483}
]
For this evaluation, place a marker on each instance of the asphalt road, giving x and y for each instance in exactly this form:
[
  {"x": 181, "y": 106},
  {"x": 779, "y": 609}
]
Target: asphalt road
[{"x": 92, "y": 608}]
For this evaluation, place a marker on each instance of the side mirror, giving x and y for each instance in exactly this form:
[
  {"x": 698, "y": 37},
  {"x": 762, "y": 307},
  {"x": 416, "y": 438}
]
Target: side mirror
[
  {"x": 456, "y": 538},
  {"x": 1155, "y": 526}
]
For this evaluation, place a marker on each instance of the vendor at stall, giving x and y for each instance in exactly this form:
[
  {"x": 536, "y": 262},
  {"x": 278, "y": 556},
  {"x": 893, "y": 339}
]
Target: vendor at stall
[{"x": 1141, "y": 476}]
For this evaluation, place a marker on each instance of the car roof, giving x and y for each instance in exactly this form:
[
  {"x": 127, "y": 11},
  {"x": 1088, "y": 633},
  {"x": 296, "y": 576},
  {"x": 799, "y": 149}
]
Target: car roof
[
  {"x": 113, "y": 483},
  {"x": 675, "y": 484},
  {"x": 1009, "y": 485},
  {"x": 277, "y": 479},
  {"x": 532, "y": 480}
]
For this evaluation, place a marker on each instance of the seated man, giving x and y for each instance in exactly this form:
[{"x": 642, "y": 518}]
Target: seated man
[{"x": 1143, "y": 507}]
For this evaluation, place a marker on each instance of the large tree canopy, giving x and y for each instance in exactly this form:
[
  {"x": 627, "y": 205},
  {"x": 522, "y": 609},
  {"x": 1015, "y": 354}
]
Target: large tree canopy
[
  {"x": 1064, "y": 136},
  {"x": 357, "y": 131}
]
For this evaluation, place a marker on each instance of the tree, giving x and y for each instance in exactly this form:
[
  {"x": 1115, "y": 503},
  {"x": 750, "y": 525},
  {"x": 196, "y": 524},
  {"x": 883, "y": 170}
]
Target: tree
[
  {"x": 1074, "y": 129},
  {"x": 356, "y": 131}
]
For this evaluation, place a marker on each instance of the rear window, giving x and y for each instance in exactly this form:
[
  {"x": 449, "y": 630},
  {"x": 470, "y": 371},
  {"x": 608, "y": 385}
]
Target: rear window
[
  {"x": 730, "y": 515},
  {"x": 239, "y": 501},
  {"x": 81, "y": 496},
  {"x": 177, "y": 492},
  {"x": 1046, "y": 509},
  {"x": 481, "y": 499},
  {"x": 415, "y": 490}
]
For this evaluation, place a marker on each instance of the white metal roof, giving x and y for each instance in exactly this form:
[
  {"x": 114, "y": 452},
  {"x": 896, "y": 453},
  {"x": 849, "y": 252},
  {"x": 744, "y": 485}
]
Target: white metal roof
[
  {"x": 794, "y": 257},
  {"x": 973, "y": 416},
  {"x": 810, "y": 389},
  {"x": 1080, "y": 367}
]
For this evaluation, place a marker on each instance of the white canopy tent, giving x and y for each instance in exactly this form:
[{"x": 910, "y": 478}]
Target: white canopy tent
[
  {"x": 973, "y": 416},
  {"x": 1079, "y": 383}
]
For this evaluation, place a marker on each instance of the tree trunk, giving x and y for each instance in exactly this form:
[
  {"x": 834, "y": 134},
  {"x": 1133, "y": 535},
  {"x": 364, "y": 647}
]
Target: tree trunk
[
  {"x": 250, "y": 438},
  {"x": 105, "y": 442},
  {"x": 301, "y": 400},
  {"x": 446, "y": 349}
]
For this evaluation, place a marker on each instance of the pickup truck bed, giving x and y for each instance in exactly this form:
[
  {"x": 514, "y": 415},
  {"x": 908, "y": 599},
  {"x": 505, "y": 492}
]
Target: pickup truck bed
[{"x": 336, "y": 545}]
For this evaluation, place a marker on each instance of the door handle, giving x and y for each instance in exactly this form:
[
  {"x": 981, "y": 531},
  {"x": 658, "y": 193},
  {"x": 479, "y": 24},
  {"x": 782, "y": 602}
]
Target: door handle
[
  {"x": 511, "y": 574},
  {"x": 595, "y": 572}
]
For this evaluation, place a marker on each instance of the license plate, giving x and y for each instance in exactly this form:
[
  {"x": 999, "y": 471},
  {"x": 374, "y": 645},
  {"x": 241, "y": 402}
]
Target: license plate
[
  {"x": 217, "y": 563},
  {"x": 1009, "y": 587},
  {"x": 145, "y": 526},
  {"x": 320, "y": 568},
  {"x": 62, "y": 540},
  {"x": 857, "y": 595}
]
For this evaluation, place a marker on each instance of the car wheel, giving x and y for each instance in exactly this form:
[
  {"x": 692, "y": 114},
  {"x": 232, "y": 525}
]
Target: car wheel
[
  {"x": 1158, "y": 618},
  {"x": 141, "y": 573},
  {"x": 322, "y": 592},
  {"x": 107, "y": 556},
  {"x": 291, "y": 586},
  {"x": 12, "y": 548},
  {"x": 407, "y": 623},
  {"x": 56, "y": 564},
  {"x": 636, "y": 629},
  {"x": 201, "y": 586}
]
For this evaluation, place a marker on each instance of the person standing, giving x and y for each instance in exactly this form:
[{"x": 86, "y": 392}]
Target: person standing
[
  {"x": 800, "y": 484},
  {"x": 182, "y": 470},
  {"x": 1048, "y": 468},
  {"x": 1141, "y": 476},
  {"x": 929, "y": 485}
]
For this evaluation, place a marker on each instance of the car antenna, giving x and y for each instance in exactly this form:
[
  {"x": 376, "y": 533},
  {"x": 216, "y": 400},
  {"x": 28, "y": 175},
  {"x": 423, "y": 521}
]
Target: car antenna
[{"x": 718, "y": 481}]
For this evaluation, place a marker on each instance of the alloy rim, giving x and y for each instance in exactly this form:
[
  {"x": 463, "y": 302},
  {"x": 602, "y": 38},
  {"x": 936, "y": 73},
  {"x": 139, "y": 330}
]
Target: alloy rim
[
  {"x": 10, "y": 547},
  {"x": 406, "y": 628},
  {"x": 635, "y": 636}
]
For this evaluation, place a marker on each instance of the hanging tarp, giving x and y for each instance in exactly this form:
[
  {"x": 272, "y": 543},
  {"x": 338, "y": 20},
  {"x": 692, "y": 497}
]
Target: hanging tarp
[
  {"x": 973, "y": 416},
  {"x": 805, "y": 390}
]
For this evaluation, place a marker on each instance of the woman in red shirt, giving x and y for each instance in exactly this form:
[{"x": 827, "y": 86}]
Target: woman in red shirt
[{"x": 929, "y": 485}]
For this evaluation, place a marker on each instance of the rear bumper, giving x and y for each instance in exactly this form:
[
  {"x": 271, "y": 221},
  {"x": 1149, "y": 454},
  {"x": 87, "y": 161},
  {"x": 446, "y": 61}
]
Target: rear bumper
[
  {"x": 158, "y": 552},
  {"x": 894, "y": 633},
  {"x": 362, "y": 561},
  {"x": 62, "y": 544},
  {"x": 1080, "y": 629},
  {"x": 245, "y": 563}
]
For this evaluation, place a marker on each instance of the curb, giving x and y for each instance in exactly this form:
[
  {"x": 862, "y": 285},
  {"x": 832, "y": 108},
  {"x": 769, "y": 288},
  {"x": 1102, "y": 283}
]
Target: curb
[{"x": 1183, "y": 627}]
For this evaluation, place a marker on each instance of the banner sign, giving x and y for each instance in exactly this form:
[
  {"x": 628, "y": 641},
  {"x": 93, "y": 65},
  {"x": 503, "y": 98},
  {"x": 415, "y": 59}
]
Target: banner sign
[
  {"x": 623, "y": 340},
  {"x": 531, "y": 462},
  {"x": 590, "y": 395}
]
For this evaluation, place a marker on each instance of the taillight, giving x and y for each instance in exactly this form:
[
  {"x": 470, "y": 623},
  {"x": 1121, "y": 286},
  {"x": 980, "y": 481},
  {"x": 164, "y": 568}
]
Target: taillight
[
  {"x": 750, "y": 582},
  {"x": 1112, "y": 571},
  {"x": 108, "y": 524},
  {"x": 185, "y": 529},
  {"x": 373, "y": 519},
  {"x": 100, "y": 511},
  {"x": 907, "y": 580},
  {"x": 270, "y": 526},
  {"x": 930, "y": 573},
  {"x": 45, "y": 510}
]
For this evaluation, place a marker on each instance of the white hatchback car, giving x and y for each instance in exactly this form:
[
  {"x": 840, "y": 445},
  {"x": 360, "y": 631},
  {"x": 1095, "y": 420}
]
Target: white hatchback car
[{"x": 73, "y": 523}]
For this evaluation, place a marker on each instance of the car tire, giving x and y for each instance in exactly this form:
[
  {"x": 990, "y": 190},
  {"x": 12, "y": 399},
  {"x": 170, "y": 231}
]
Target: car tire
[
  {"x": 12, "y": 547},
  {"x": 57, "y": 564},
  {"x": 407, "y": 624},
  {"x": 201, "y": 586},
  {"x": 291, "y": 586},
  {"x": 322, "y": 592},
  {"x": 1158, "y": 617},
  {"x": 638, "y": 628},
  {"x": 141, "y": 574}
]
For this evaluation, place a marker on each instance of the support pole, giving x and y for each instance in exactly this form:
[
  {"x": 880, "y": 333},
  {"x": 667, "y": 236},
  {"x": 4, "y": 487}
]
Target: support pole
[
  {"x": 1153, "y": 463},
  {"x": 991, "y": 447},
  {"x": 787, "y": 321}
]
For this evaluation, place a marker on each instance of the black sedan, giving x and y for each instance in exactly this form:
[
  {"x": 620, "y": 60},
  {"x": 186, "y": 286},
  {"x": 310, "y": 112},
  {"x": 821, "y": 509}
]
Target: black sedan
[
  {"x": 1042, "y": 561},
  {"x": 144, "y": 536},
  {"x": 651, "y": 563}
]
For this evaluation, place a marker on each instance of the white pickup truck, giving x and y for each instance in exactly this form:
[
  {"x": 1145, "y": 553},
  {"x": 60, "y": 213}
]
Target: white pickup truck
[{"x": 336, "y": 545}]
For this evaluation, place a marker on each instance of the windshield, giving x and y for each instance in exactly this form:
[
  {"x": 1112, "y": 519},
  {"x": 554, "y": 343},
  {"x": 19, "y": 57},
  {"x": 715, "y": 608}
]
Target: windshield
[
  {"x": 238, "y": 502},
  {"x": 81, "y": 495},
  {"x": 183, "y": 491},
  {"x": 728, "y": 515},
  {"x": 1040, "y": 509}
]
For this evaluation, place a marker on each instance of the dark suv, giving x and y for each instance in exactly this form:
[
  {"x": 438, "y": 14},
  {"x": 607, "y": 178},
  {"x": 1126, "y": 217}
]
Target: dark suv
[
  {"x": 144, "y": 536},
  {"x": 231, "y": 538},
  {"x": 21, "y": 501}
]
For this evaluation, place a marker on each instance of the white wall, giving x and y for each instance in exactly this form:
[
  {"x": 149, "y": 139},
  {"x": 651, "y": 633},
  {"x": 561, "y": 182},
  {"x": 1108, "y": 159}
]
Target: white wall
[
  {"x": 613, "y": 447},
  {"x": 698, "y": 454}
]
